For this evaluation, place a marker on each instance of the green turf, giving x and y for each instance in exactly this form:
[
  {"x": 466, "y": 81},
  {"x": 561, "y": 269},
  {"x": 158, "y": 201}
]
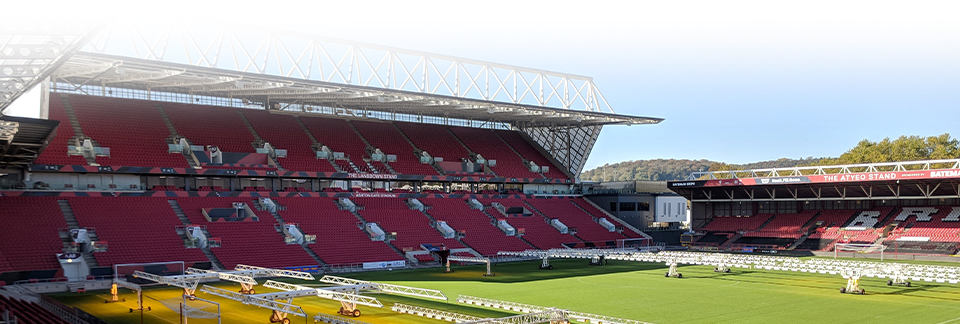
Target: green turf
[{"x": 620, "y": 289}]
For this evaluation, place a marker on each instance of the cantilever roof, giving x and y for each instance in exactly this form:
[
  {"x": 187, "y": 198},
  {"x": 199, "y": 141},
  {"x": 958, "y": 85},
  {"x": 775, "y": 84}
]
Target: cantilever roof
[{"x": 294, "y": 94}]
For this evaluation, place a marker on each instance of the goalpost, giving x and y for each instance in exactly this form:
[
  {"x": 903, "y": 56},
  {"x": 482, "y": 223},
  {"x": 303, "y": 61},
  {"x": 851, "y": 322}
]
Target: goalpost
[
  {"x": 858, "y": 248},
  {"x": 123, "y": 272},
  {"x": 194, "y": 308},
  {"x": 633, "y": 243}
]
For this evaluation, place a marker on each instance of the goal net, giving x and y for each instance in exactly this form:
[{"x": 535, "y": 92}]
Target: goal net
[
  {"x": 854, "y": 250},
  {"x": 194, "y": 308},
  {"x": 633, "y": 243}
]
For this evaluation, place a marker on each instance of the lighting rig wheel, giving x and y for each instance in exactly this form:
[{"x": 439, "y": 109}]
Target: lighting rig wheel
[
  {"x": 340, "y": 311},
  {"x": 908, "y": 284},
  {"x": 889, "y": 282},
  {"x": 862, "y": 291},
  {"x": 843, "y": 290},
  {"x": 286, "y": 321},
  {"x": 666, "y": 275},
  {"x": 253, "y": 292},
  {"x": 356, "y": 313},
  {"x": 728, "y": 271},
  {"x": 679, "y": 275},
  {"x": 550, "y": 267}
]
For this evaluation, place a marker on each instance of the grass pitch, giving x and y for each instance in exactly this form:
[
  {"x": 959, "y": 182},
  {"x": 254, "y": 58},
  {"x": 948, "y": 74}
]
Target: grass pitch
[{"x": 621, "y": 289}]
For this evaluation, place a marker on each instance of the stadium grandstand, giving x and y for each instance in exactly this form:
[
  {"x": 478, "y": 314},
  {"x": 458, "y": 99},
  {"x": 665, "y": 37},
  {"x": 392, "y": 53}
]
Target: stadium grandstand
[
  {"x": 286, "y": 151},
  {"x": 172, "y": 156},
  {"x": 901, "y": 207}
]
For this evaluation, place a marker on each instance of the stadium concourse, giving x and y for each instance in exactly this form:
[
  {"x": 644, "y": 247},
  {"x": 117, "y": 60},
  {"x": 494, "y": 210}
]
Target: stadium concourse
[{"x": 903, "y": 209}]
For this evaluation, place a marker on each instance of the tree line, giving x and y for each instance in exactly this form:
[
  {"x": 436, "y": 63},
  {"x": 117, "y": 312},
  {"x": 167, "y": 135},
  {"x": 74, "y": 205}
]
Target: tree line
[{"x": 904, "y": 148}]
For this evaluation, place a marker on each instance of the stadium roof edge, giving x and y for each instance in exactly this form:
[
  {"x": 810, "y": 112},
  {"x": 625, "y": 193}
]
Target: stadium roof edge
[
  {"x": 931, "y": 179},
  {"x": 95, "y": 69},
  {"x": 828, "y": 169}
]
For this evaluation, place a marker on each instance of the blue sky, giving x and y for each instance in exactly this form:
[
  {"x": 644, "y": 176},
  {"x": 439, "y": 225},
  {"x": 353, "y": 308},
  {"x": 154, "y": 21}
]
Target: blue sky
[{"x": 737, "y": 81}]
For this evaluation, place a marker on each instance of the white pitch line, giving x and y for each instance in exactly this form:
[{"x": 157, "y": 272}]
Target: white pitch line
[{"x": 950, "y": 321}]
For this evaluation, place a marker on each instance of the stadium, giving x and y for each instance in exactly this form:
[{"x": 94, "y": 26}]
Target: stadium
[{"x": 246, "y": 176}]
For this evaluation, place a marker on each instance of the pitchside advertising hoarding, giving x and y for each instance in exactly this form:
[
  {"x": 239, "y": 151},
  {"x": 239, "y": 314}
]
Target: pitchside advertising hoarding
[
  {"x": 385, "y": 264},
  {"x": 823, "y": 178}
]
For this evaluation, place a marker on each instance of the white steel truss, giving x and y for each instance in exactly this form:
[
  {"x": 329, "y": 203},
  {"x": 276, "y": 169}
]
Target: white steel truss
[
  {"x": 433, "y": 313},
  {"x": 187, "y": 282},
  {"x": 300, "y": 291},
  {"x": 255, "y": 271},
  {"x": 301, "y": 73},
  {"x": 382, "y": 287},
  {"x": 553, "y": 316},
  {"x": 571, "y": 146},
  {"x": 228, "y": 276},
  {"x": 829, "y": 169},
  {"x": 243, "y": 274},
  {"x": 897, "y": 272},
  {"x": 29, "y": 54},
  {"x": 309, "y": 57},
  {"x": 524, "y": 308},
  {"x": 279, "y": 307},
  {"x": 330, "y": 319}
]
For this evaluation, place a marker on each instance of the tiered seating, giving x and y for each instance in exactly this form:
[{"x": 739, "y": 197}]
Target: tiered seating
[
  {"x": 166, "y": 188},
  {"x": 337, "y": 135},
  {"x": 832, "y": 221},
  {"x": 30, "y": 239},
  {"x": 425, "y": 258},
  {"x": 435, "y": 140},
  {"x": 536, "y": 228},
  {"x": 380, "y": 167},
  {"x": 283, "y": 132},
  {"x": 412, "y": 227},
  {"x": 230, "y": 167},
  {"x": 193, "y": 206},
  {"x": 27, "y": 312},
  {"x": 935, "y": 228},
  {"x": 486, "y": 143},
  {"x": 132, "y": 129},
  {"x": 339, "y": 240},
  {"x": 256, "y": 243},
  {"x": 344, "y": 165},
  {"x": 56, "y": 151},
  {"x": 211, "y": 188},
  {"x": 736, "y": 223},
  {"x": 530, "y": 153},
  {"x": 573, "y": 217},
  {"x": 714, "y": 238},
  {"x": 823, "y": 237},
  {"x": 784, "y": 225},
  {"x": 137, "y": 229},
  {"x": 251, "y": 243},
  {"x": 598, "y": 213},
  {"x": 385, "y": 137},
  {"x": 481, "y": 235},
  {"x": 209, "y": 125}
]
